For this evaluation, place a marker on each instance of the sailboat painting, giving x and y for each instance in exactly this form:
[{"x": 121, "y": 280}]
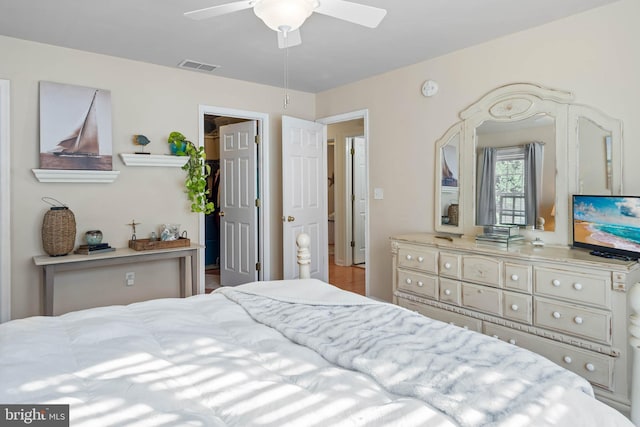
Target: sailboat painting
[{"x": 75, "y": 127}]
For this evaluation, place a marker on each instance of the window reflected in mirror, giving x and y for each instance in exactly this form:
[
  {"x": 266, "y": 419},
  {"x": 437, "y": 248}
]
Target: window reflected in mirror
[{"x": 515, "y": 173}]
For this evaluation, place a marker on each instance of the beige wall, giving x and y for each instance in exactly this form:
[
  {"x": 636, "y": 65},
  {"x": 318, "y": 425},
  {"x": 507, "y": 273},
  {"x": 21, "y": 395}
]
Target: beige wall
[
  {"x": 594, "y": 55},
  {"x": 147, "y": 99}
]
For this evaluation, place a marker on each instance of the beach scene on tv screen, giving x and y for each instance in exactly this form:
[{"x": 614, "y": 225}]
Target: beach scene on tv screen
[{"x": 612, "y": 222}]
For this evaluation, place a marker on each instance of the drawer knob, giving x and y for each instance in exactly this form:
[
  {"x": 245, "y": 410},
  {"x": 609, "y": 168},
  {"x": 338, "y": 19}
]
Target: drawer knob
[
  {"x": 420, "y": 259},
  {"x": 567, "y": 359},
  {"x": 556, "y": 315},
  {"x": 514, "y": 307},
  {"x": 420, "y": 283},
  {"x": 514, "y": 277},
  {"x": 409, "y": 281},
  {"x": 512, "y": 341},
  {"x": 589, "y": 367},
  {"x": 447, "y": 291},
  {"x": 578, "y": 320},
  {"x": 577, "y": 286},
  {"x": 447, "y": 265},
  {"x": 409, "y": 257},
  {"x": 556, "y": 283}
]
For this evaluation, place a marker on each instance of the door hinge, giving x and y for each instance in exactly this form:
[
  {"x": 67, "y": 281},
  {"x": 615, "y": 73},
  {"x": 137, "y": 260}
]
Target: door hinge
[
  {"x": 353, "y": 151},
  {"x": 353, "y": 244},
  {"x": 257, "y": 203},
  {"x": 258, "y": 266},
  {"x": 353, "y": 197},
  {"x": 257, "y": 140}
]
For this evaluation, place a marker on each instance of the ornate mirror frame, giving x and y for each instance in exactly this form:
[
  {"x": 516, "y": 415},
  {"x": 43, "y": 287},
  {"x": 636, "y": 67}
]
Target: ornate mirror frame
[{"x": 514, "y": 102}]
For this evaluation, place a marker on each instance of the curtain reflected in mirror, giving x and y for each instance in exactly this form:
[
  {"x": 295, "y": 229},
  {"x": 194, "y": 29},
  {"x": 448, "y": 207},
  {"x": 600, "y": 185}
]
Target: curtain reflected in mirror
[{"x": 486, "y": 203}]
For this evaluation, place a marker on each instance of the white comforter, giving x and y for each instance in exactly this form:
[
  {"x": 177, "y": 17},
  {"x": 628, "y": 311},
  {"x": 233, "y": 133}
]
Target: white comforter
[{"x": 203, "y": 361}]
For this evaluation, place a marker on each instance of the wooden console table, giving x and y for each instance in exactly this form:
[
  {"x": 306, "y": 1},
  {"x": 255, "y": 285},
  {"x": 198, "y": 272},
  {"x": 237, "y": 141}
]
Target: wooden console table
[{"x": 51, "y": 265}]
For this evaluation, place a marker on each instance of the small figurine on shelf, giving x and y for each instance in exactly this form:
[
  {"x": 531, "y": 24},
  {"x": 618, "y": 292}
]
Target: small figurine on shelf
[
  {"x": 142, "y": 141},
  {"x": 170, "y": 232},
  {"x": 133, "y": 224}
]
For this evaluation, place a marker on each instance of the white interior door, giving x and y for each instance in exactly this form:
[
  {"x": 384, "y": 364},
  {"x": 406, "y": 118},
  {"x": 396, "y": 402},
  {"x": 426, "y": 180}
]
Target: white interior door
[
  {"x": 359, "y": 183},
  {"x": 239, "y": 214},
  {"x": 304, "y": 194}
]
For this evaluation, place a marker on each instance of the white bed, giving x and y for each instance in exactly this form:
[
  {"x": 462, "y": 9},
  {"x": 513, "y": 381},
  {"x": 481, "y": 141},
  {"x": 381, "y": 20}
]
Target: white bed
[{"x": 204, "y": 361}]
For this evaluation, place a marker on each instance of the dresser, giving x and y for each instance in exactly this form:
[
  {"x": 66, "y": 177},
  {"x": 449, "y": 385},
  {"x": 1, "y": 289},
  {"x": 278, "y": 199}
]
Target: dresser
[{"x": 562, "y": 303}]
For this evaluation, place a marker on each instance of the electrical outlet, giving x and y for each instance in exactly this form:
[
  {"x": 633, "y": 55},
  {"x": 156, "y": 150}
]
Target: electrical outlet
[{"x": 130, "y": 278}]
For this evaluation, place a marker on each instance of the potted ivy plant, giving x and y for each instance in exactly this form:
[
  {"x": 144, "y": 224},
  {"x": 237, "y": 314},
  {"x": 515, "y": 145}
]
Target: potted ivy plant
[{"x": 197, "y": 172}]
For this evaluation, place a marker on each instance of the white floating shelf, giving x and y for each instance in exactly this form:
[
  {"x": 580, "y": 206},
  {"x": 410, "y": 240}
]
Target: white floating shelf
[
  {"x": 153, "y": 160},
  {"x": 61, "y": 175}
]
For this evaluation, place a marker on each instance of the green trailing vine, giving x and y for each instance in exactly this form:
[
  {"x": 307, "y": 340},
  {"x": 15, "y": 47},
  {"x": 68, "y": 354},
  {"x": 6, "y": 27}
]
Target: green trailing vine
[{"x": 197, "y": 172}]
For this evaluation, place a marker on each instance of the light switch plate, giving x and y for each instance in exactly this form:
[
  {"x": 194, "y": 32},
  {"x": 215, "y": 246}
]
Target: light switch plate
[{"x": 378, "y": 193}]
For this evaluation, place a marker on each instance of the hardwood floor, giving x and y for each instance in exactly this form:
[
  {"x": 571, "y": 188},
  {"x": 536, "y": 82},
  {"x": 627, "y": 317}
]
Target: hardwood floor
[{"x": 347, "y": 278}]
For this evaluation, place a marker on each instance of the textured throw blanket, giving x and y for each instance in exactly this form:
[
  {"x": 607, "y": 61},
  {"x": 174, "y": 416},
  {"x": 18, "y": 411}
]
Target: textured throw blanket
[{"x": 475, "y": 379}]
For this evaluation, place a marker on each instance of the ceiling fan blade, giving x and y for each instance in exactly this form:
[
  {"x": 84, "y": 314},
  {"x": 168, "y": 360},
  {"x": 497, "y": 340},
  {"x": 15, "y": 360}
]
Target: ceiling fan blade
[
  {"x": 210, "y": 12},
  {"x": 361, "y": 14},
  {"x": 293, "y": 39}
]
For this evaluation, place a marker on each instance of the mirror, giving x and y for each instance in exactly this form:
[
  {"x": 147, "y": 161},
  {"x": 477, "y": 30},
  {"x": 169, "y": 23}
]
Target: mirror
[
  {"x": 515, "y": 172},
  {"x": 536, "y": 148},
  {"x": 449, "y": 181},
  {"x": 595, "y": 151}
]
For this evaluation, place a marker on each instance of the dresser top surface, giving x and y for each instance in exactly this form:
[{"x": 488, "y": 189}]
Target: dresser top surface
[{"x": 547, "y": 253}]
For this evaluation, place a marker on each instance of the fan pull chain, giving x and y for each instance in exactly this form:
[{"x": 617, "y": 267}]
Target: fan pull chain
[{"x": 286, "y": 69}]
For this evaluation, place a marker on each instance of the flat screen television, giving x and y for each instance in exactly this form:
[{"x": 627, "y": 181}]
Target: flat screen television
[{"x": 608, "y": 225}]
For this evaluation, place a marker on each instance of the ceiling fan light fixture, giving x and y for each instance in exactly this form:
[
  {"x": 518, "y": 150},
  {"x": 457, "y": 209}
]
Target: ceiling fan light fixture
[{"x": 284, "y": 15}]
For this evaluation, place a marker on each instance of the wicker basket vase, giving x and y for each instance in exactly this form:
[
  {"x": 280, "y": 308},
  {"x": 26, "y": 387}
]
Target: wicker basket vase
[{"x": 58, "y": 231}]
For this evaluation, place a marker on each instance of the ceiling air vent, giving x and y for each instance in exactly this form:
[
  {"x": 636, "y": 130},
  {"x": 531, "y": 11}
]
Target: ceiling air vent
[{"x": 197, "y": 66}]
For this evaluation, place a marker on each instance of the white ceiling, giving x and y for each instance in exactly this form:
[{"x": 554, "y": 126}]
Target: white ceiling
[{"x": 333, "y": 52}]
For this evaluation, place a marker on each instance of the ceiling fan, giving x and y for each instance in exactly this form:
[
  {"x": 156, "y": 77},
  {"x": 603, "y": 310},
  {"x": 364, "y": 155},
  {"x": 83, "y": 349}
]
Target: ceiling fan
[{"x": 286, "y": 16}]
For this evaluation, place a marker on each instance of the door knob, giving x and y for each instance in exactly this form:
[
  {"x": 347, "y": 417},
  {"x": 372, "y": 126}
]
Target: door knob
[
  {"x": 290, "y": 218},
  {"x": 221, "y": 213}
]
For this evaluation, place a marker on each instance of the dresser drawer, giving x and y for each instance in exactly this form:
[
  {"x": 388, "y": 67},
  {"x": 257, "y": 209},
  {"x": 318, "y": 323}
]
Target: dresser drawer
[
  {"x": 418, "y": 258},
  {"x": 584, "y": 322},
  {"x": 482, "y": 298},
  {"x": 482, "y": 270},
  {"x": 517, "y": 307},
  {"x": 450, "y": 291},
  {"x": 595, "y": 367},
  {"x": 594, "y": 288},
  {"x": 417, "y": 283},
  {"x": 518, "y": 277},
  {"x": 442, "y": 315},
  {"x": 449, "y": 265}
]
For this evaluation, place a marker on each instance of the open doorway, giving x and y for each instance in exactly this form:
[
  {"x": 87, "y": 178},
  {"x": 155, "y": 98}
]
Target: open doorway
[
  {"x": 236, "y": 143},
  {"x": 213, "y": 242},
  {"x": 347, "y": 201}
]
